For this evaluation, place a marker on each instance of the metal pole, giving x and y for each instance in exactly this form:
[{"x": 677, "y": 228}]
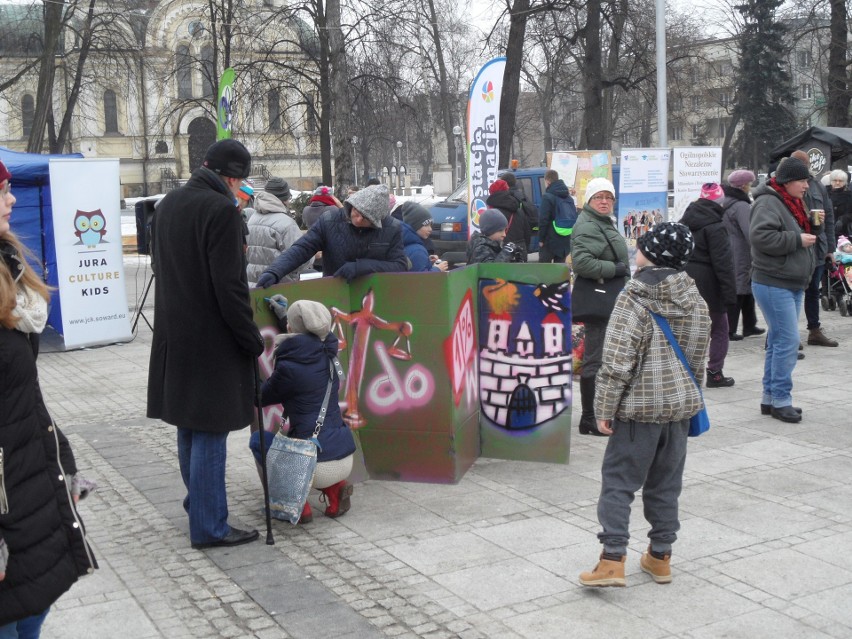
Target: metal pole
[{"x": 662, "y": 103}]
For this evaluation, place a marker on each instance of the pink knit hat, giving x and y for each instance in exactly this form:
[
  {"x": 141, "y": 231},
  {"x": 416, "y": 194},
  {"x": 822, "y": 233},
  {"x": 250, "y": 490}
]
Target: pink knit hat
[{"x": 712, "y": 191}]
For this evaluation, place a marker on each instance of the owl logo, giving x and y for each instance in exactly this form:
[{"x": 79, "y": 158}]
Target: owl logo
[{"x": 90, "y": 227}]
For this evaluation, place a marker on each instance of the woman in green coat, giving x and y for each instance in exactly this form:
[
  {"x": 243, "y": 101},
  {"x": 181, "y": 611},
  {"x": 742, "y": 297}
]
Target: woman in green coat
[{"x": 596, "y": 258}]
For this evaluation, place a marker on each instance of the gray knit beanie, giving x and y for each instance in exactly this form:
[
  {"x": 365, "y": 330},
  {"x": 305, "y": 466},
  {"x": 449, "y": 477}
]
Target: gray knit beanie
[
  {"x": 491, "y": 221},
  {"x": 373, "y": 202},
  {"x": 307, "y": 316},
  {"x": 279, "y": 188},
  {"x": 415, "y": 215},
  {"x": 791, "y": 169}
]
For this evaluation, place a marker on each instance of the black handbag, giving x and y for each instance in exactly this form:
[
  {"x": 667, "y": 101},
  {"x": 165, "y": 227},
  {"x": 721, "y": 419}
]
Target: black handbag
[{"x": 595, "y": 299}]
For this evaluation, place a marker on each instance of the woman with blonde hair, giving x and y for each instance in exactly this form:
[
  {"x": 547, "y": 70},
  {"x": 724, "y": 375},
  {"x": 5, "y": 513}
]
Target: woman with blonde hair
[{"x": 43, "y": 549}]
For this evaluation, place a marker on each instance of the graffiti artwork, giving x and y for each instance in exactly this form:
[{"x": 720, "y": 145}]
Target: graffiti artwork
[{"x": 525, "y": 354}]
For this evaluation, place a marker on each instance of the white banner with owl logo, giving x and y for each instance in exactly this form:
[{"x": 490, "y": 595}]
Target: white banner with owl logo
[{"x": 87, "y": 233}]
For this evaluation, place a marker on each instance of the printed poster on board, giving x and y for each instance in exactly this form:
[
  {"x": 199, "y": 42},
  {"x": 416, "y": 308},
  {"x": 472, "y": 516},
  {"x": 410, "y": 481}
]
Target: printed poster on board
[
  {"x": 483, "y": 137},
  {"x": 89, "y": 260},
  {"x": 643, "y": 190},
  {"x": 590, "y": 164},
  {"x": 693, "y": 167}
]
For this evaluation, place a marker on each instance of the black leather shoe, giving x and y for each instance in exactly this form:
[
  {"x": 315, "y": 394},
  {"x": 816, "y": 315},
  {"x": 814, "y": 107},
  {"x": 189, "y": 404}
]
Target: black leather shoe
[
  {"x": 753, "y": 331},
  {"x": 235, "y": 537},
  {"x": 786, "y": 414},
  {"x": 734, "y": 337},
  {"x": 800, "y": 356},
  {"x": 766, "y": 409}
]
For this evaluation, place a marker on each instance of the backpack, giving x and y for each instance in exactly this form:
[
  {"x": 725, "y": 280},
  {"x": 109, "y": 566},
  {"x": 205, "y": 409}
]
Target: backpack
[{"x": 564, "y": 216}]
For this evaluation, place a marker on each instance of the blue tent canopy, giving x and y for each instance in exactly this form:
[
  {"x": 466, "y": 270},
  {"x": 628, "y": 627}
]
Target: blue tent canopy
[{"x": 32, "y": 215}]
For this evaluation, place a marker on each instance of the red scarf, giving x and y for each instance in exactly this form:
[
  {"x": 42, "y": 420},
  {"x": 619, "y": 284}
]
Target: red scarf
[{"x": 794, "y": 204}]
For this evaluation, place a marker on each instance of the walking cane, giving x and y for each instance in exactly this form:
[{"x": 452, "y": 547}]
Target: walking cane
[{"x": 262, "y": 436}]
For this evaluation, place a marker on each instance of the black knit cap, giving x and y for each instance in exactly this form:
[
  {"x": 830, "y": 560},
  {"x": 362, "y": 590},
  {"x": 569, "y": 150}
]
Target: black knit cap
[
  {"x": 228, "y": 158},
  {"x": 791, "y": 169},
  {"x": 667, "y": 244}
]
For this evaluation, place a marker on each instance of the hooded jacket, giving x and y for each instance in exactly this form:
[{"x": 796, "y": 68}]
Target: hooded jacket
[
  {"x": 641, "y": 378},
  {"x": 374, "y": 250},
  {"x": 558, "y": 245},
  {"x": 416, "y": 251},
  {"x": 736, "y": 218},
  {"x": 816, "y": 197},
  {"x": 711, "y": 264},
  {"x": 299, "y": 382},
  {"x": 519, "y": 231},
  {"x": 271, "y": 232},
  {"x": 777, "y": 255}
]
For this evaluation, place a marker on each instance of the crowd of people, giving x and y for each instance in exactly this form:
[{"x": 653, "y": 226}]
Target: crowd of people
[{"x": 660, "y": 332}]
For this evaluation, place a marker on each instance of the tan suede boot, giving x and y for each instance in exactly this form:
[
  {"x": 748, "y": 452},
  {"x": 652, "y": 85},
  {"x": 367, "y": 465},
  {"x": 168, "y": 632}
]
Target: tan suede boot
[
  {"x": 608, "y": 572},
  {"x": 659, "y": 569}
]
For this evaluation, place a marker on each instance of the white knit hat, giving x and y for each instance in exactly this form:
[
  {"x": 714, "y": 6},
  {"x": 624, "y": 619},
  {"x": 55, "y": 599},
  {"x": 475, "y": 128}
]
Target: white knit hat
[
  {"x": 598, "y": 185},
  {"x": 307, "y": 316},
  {"x": 373, "y": 202}
]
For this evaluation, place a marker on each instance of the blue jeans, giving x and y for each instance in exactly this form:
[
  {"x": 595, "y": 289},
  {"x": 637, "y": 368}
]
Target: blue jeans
[
  {"x": 202, "y": 467},
  {"x": 29, "y": 628},
  {"x": 781, "y": 308},
  {"x": 812, "y": 298}
]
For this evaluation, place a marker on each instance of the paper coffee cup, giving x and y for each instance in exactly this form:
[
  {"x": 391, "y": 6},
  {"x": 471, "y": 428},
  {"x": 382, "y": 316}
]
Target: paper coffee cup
[{"x": 815, "y": 216}]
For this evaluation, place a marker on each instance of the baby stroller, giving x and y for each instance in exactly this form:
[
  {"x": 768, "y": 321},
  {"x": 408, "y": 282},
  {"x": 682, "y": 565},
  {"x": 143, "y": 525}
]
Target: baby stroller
[{"x": 836, "y": 291}]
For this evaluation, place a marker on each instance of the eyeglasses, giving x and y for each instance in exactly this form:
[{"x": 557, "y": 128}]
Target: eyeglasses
[{"x": 603, "y": 198}]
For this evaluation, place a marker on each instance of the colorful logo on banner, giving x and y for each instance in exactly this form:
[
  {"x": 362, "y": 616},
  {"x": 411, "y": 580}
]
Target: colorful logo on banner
[
  {"x": 483, "y": 134},
  {"x": 488, "y": 91},
  {"x": 225, "y": 105},
  {"x": 90, "y": 227}
]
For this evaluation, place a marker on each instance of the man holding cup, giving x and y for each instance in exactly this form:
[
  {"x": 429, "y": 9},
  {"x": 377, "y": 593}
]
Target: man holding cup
[{"x": 822, "y": 218}]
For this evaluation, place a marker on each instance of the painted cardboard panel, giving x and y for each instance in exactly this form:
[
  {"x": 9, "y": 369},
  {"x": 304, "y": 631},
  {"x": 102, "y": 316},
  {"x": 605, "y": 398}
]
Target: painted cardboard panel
[
  {"x": 525, "y": 361},
  {"x": 411, "y": 347}
]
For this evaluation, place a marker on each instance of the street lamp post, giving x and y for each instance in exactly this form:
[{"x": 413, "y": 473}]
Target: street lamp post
[
  {"x": 457, "y": 131},
  {"x": 355, "y": 159},
  {"x": 399, "y": 164}
]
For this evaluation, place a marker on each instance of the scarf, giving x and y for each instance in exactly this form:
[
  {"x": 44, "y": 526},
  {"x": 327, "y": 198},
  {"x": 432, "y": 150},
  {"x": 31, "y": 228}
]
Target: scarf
[
  {"x": 31, "y": 311},
  {"x": 795, "y": 205}
]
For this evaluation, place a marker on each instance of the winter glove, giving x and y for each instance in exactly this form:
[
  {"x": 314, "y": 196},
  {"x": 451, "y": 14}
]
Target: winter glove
[
  {"x": 267, "y": 279},
  {"x": 278, "y": 305},
  {"x": 348, "y": 271},
  {"x": 621, "y": 269}
]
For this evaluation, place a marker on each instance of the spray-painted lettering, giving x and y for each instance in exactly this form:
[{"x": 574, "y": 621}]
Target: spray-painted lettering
[{"x": 389, "y": 392}]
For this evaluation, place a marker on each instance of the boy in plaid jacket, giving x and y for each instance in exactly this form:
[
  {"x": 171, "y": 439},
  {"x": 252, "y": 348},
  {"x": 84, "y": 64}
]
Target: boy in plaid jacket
[{"x": 644, "y": 399}]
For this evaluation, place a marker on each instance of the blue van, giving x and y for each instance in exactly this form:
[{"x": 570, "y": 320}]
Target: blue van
[{"x": 449, "y": 217}]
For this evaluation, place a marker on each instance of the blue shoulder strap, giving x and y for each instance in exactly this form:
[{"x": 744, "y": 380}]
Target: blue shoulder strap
[{"x": 663, "y": 323}]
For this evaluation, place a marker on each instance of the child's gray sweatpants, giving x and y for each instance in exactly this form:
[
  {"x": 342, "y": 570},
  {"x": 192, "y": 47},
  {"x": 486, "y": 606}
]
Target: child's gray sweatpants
[{"x": 650, "y": 457}]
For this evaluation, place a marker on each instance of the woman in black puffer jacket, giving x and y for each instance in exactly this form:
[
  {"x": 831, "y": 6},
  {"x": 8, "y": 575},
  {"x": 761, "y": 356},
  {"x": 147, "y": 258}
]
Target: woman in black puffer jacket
[{"x": 43, "y": 548}]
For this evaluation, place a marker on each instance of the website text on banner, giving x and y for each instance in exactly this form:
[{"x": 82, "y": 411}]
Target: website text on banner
[
  {"x": 693, "y": 167},
  {"x": 89, "y": 261},
  {"x": 483, "y": 137}
]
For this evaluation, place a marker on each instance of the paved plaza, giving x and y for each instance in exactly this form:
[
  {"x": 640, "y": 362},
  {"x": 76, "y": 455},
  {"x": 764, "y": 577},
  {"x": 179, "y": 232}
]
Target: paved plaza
[{"x": 765, "y": 549}]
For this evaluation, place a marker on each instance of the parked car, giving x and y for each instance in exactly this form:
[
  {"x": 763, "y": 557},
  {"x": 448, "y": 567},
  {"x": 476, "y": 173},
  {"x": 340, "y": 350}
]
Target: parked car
[{"x": 449, "y": 217}]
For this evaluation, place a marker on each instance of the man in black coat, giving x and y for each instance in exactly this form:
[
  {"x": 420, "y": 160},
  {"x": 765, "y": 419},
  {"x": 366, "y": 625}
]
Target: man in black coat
[
  {"x": 359, "y": 239},
  {"x": 201, "y": 376}
]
